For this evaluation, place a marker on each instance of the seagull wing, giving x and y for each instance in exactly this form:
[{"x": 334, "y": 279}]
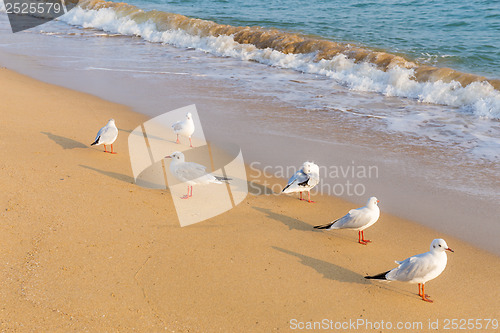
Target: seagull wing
[
  {"x": 99, "y": 134},
  {"x": 412, "y": 268},
  {"x": 177, "y": 126},
  {"x": 108, "y": 134},
  {"x": 356, "y": 218},
  {"x": 190, "y": 171},
  {"x": 298, "y": 179}
]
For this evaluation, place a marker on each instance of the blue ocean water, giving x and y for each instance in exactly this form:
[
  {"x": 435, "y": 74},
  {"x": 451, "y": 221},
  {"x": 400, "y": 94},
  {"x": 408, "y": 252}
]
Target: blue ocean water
[{"x": 463, "y": 35}]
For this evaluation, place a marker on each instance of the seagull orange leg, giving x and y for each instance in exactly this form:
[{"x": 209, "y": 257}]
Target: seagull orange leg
[
  {"x": 424, "y": 295},
  {"x": 177, "y": 139},
  {"x": 300, "y": 196},
  {"x": 105, "y": 149},
  {"x": 360, "y": 241},
  {"x": 190, "y": 144},
  {"x": 363, "y": 237},
  {"x": 112, "y": 150},
  {"x": 310, "y": 198},
  {"x": 187, "y": 196}
]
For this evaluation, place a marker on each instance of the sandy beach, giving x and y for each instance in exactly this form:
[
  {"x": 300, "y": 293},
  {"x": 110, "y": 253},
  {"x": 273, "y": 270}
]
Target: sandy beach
[{"x": 83, "y": 248}]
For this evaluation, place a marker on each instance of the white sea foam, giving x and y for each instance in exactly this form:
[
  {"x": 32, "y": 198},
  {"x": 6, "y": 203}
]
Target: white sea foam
[{"x": 478, "y": 98}]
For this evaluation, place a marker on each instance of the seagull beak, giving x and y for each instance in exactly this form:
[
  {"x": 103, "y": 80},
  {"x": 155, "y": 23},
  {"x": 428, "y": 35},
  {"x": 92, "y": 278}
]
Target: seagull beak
[
  {"x": 448, "y": 249},
  {"x": 168, "y": 156},
  {"x": 378, "y": 201}
]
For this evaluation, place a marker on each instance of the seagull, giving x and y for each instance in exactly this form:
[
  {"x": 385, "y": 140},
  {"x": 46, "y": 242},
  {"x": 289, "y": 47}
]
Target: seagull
[
  {"x": 106, "y": 136},
  {"x": 357, "y": 219},
  {"x": 420, "y": 268},
  {"x": 185, "y": 128},
  {"x": 191, "y": 173},
  {"x": 303, "y": 180}
]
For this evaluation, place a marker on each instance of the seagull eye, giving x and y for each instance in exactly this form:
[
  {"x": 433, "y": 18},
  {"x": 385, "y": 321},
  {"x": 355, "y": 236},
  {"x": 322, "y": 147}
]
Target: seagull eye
[{"x": 439, "y": 245}]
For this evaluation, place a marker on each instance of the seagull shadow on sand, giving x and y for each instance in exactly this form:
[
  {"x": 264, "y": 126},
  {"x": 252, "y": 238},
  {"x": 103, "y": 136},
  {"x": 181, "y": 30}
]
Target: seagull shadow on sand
[
  {"x": 149, "y": 135},
  {"x": 397, "y": 288},
  {"x": 115, "y": 175},
  {"x": 125, "y": 178},
  {"x": 329, "y": 270},
  {"x": 344, "y": 235},
  {"x": 124, "y": 130},
  {"x": 65, "y": 143},
  {"x": 258, "y": 189},
  {"x": 290, "y": 222}
]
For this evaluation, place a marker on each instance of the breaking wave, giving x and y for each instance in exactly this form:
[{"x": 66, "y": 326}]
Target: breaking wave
[{"x": 357, "y": 68}]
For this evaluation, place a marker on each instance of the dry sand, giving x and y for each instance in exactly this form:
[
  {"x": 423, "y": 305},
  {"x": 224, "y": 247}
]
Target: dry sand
[{"x": 84, "y": 248}]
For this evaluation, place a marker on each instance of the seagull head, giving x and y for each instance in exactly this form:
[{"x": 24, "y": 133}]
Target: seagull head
[
  {"x": 373, "y": 201},
  {"x": 189, "y": 116},
  {"x": 176, "y": 156},
  {"x": 306, "y": 167},
  {"x": 440, "y": 245},
  {"x": 111, "y": 121},
  {"x": 310, "y": 167}
]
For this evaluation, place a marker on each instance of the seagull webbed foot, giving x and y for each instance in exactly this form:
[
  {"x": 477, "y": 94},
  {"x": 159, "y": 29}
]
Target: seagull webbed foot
[{"x": 424, "y": 298}]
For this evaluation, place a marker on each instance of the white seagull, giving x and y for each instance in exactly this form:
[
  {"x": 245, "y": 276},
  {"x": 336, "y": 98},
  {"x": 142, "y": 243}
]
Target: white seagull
[
  {"x": 357, "y": 219},
  {"x": 303, "y": 180},
  {"x": 191, "y": 173},
  {"x": 185, "y": 128},
  {"x": 106, "y": 136},
  {"x": 420, "y": 268}
]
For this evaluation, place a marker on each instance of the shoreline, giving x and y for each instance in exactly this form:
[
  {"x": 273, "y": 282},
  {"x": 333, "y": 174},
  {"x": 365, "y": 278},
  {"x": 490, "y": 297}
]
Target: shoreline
[
  {"x": 415, "y": 182},
  {"x": 84, "y": 248}
]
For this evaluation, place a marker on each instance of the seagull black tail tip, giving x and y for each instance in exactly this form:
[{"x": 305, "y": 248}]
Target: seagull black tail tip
[
  {"x": 95, "y": 142},
  {"x": 380, "y": 276},
  {"x": 324, "y": 226},
  {"x": 223, "y": 179}
]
